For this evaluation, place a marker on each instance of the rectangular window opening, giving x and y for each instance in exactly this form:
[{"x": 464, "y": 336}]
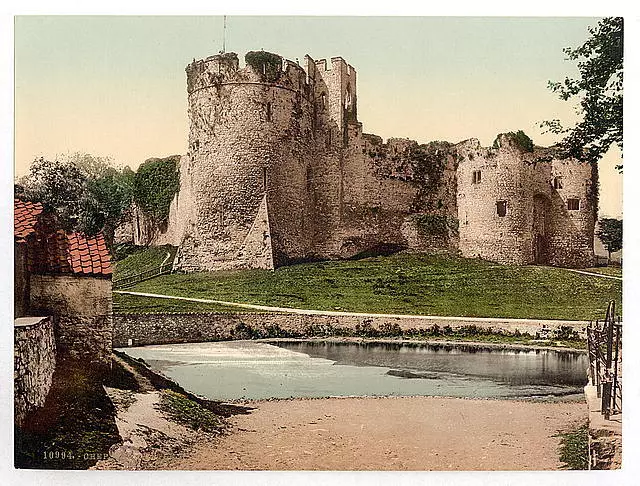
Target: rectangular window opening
[
  {"x": 557, "y": 182},
  {"x": 264, "y": 178},
  {"x": 501, "y": 207},
  {"x": 573, "y": 204},
  {"x": 269, "y": 113},
  {"x": 477, "y": 177}
]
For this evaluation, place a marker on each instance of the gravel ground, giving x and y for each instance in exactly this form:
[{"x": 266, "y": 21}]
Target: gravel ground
[{"x": 404, "y": 433}]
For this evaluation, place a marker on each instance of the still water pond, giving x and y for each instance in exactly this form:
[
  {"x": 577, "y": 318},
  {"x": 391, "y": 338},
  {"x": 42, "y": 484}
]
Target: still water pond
[{"x": 256, "y": 370}]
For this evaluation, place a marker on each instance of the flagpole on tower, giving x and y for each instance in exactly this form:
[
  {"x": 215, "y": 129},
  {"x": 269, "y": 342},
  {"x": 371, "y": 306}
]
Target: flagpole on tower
[{"x": 224, "y": 33}]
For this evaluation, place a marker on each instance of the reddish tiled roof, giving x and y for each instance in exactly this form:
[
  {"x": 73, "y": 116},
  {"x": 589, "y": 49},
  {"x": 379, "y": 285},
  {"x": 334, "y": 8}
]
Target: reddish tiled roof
[
  {"x": 75, "y": 253},
  {"x": 25, "y": 217},
  {"x": 88, "y": 254},
  {"x": 52, "y": 250}
]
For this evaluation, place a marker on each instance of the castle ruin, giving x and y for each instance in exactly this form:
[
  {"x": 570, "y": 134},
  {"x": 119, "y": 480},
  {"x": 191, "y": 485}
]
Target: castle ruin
[{"x": 279, "y": 171}]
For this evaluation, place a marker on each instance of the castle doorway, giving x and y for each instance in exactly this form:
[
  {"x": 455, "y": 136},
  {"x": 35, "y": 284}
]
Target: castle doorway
[{"x": 540, "y": 230}]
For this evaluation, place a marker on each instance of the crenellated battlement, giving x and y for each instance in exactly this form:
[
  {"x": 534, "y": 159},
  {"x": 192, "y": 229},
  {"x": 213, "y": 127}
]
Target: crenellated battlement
[
  {"x": 260, "y": 67},
  {"x": 337, "y": 63},
  {"x": 336, "y": 78}
]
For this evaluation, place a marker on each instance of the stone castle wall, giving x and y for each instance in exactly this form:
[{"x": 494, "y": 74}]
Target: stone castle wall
[
  {"x": 148, "y": 329},
  {"x": 83, "y": 314},
  {"x": 21, "y": 280},
  {"x": 571, "y": 243},
  {"x": 483, "y": 233},
  {"x": 279, "y": 171},
  {"x": 284, "y": 142},
  {"x": 34, "y": 364}
]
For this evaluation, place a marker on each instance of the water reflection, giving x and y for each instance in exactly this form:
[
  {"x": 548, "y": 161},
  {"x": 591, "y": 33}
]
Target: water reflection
[
  {"x": 512, "y": 366},
  {"x": 257, "y": 370}
]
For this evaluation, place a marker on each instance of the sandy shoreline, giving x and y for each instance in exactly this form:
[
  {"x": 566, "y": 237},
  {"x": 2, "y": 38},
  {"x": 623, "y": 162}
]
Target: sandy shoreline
[{"x": 390, "y": 433}]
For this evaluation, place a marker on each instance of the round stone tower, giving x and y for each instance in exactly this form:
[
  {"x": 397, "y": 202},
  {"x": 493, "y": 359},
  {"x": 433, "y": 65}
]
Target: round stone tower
[{"x": 249, "y": 150}]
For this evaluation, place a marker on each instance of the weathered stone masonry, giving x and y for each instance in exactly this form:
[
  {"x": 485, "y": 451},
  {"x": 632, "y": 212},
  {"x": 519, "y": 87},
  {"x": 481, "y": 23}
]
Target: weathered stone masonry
[
  {"x": 34, "y": 363},
  {"x": 147, "y": 329},
  {"x": 278, "y": 171},
  {"x": 548, "y": 212}
]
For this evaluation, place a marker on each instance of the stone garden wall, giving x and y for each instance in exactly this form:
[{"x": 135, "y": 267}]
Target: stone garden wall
[{"x": 34, "y": 363}]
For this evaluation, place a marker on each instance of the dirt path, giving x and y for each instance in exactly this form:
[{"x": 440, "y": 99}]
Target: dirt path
[
  {"x": 409, "y": 433},
  {"x": 592, "y": 274},
  {"x": 149, "y": 438}
]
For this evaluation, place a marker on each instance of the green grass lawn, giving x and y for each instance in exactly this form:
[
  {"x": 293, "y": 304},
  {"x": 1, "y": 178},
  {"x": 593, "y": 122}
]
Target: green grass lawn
[
  {"x": 141, "y": 259},
  {"x": 406, "y": 284},
  {"x": 613, "y": 271}
]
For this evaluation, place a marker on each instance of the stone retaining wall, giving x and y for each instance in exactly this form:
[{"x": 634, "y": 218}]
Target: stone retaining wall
[
  {"x": 34, "y": 363},
  {"x": 605, "y": 435},
  {"x": 146, "y": 329}
]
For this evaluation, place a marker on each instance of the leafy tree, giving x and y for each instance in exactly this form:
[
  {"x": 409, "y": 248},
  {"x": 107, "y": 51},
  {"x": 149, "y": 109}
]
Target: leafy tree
[
  {"x": 87, "y": 193},
  {"x": 610, "y": 233},
  {"x": 599, "y": 92},
  {"x": 59, "y": 185},
  {"x": 105, "y": 200}
]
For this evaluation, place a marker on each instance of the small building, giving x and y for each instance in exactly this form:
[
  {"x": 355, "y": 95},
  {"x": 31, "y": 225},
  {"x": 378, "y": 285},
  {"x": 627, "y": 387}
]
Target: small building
[{"x": 63, "y": 302}]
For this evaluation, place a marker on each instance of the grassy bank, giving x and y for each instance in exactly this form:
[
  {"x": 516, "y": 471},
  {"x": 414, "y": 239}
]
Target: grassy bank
[
  {"x": 574, "y": 448},
  {"x": 138, "y": 259},
  {"x": 406, "y": 284}
]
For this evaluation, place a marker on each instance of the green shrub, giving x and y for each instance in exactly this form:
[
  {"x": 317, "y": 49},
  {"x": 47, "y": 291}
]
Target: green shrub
[
  {"x": 155, "y": 184},
  {"x": 436, "y": 224},
  {"x": 521, "y": 140}
]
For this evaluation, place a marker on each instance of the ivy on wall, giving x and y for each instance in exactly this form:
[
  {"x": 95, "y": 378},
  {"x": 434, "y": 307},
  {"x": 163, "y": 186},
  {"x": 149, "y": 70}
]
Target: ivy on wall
[
  {"x": 519, "y": 138},
  {"x": 230, "y": 59},
  {"x": 422, "y": 164},
  {"x": 267, "y": 64},
  {"x": 155, "y": 184},
  {"x": 428, "y": 162},
  {"x": 436, "y": 224}
]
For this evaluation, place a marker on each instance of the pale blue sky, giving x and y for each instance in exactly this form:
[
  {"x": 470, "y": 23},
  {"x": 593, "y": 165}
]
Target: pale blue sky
[{"x": 115, "y": 86}]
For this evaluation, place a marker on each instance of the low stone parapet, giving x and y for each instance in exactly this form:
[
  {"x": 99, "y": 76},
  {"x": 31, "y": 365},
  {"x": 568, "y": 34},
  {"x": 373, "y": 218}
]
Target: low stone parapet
[{"x": 147, "y": 329}]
